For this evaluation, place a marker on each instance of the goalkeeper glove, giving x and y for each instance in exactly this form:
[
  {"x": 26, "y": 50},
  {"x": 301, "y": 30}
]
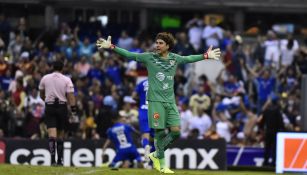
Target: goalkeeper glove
[
  {"x": 213, "y": 54},
  {"x": 106, "y": 44}
]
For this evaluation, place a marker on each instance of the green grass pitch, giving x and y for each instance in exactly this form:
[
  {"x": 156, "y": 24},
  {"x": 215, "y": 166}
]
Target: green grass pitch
[{"x": 6, "y": 169}]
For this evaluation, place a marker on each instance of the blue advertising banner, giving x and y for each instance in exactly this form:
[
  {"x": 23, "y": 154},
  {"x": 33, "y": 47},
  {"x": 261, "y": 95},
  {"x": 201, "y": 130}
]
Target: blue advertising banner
[{"x": 244, "y": 156}]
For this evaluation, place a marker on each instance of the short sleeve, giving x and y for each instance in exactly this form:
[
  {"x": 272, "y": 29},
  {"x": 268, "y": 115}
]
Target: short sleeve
[
  {"x": 42, "y": 84},
  {"x": 69, "y": 86}
]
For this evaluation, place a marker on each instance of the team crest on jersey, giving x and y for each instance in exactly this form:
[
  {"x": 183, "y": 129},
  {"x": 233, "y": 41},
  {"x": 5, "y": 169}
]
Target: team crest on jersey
[
  {"x": 160, "y": 76},
  {"x": 172, "y": 62},
  {"x": 156, "y": 115}
]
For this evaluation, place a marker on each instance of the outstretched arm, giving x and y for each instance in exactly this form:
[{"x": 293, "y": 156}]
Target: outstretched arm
[
  {"x": 106, "y": 44},
  {"x": 210, "y": 54}
]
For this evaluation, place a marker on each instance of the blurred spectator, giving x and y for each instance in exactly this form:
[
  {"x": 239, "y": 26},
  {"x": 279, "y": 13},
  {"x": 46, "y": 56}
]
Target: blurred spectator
[
  {"x": 248, "y": 121},
  {"x": 238, "y": 57},
  {"x": 199, "y": 100},
  {"x": 128, "y": 112},
  {"x": 301, "y": 61},
  {"x": 259, "y": 50},
  {"x": 35, "y": 110},
  {"x": 208, "y": 86},
  {"x": 265, "y": 85},
  {"x": 4, "y": 113},
  {"x": 96, "y": 72},
  {"x": 200, "y": 121},
  {"x": 85, "y": 48},
  {"x": 180, "y": 81},
  {"x": 113, "y": 71},
  {"x": 223, "y": 125},
  {"x": 19, "y": 96},
  {"x": 288, "y": 48},
  {"x": 232, "y": 86},
  {"x": 82, "y": 67},
  {"x": 22, "y": 28},
  {"x": 212, "y": 34},
  {"x": 186, "y": 115},
  {"x": 71, "y": 51},
  {"x": 110, "y": 101},
  {"x": 15, "y": 45},
  {"x": 131, "y": 66},
  {"x": 227, "y": 40},
  {"x": 273, "y": 123},
  {"x": 3, "y": 66},
  {"x": 272, "y": 52},
  {"x": 195, "y": 32},
  {"x": 5, "y": 28},
  {"x": 125, "y": 41},
  {"x": 183, "y": 47},
  {"x": 5, "y": 80}
]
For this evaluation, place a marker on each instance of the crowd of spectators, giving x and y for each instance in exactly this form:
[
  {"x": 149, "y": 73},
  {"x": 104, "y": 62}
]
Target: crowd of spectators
[{"x": 257, "y": 73}]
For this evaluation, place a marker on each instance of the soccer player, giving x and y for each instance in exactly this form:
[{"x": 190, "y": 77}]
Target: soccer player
[
  {"x": 162, "y": 109},
  {"x": 120, "y": 135},
  {"x": 141, "y": 92}
]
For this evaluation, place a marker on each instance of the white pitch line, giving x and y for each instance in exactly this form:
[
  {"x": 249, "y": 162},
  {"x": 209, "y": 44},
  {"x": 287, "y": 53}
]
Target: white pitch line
[
  {"x": 90, "y": 172},
  {"x": 86, "y": 172}
]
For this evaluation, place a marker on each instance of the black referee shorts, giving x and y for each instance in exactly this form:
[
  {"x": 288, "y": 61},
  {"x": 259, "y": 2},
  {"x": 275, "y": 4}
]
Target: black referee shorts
[{"x": 56, "y": 116}]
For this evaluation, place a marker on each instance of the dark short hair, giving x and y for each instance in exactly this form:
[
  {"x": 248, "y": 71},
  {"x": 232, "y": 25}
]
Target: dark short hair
[
  {"x": 58, "y": 65},
  {"x": 168, "y": 38}
]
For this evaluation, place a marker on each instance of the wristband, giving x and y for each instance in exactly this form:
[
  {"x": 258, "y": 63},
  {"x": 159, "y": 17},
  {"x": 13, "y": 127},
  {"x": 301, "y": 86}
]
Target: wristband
[
  {"x": 206, "y": 56},
  {"x": 112, "y": 46}
]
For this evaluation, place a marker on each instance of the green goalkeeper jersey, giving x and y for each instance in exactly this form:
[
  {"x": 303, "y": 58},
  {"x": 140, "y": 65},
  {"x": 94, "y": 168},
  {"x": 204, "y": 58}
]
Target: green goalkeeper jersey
[{"x": 161, "y": 72}]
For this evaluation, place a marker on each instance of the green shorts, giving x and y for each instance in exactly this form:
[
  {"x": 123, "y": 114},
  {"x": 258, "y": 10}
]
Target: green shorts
[{"x": 163, "y": 115}]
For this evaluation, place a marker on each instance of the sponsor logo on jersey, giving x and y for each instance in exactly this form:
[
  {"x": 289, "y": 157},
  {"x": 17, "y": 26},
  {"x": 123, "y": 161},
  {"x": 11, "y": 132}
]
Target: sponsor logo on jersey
[
  {"x": 170, "y": 77},
  {"x": 160, "y": 76},
  {"x": 165, "y": 86},
  {"x": 156, "y": 115},
  {"x": 172, "y": 62}
]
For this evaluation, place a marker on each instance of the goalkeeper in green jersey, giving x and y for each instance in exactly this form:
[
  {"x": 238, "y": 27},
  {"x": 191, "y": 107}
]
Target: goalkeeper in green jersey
[{"x": 162, "y": 110}]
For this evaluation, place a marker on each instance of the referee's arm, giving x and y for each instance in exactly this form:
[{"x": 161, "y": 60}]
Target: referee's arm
[
  {"x": 42, "y": 94},
  {"x": 71, "y": 99}
]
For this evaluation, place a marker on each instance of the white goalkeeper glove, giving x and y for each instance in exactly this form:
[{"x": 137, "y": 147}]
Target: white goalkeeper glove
[
  {"x": 106, "y": 44},
  {"x": 213, "y": 54}
]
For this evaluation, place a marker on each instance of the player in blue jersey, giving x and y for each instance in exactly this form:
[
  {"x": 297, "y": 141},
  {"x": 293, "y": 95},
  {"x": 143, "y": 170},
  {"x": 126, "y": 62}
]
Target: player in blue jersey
[
  {"x": 120, "y": 135},
  {"x": 141, "y": 91}
]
